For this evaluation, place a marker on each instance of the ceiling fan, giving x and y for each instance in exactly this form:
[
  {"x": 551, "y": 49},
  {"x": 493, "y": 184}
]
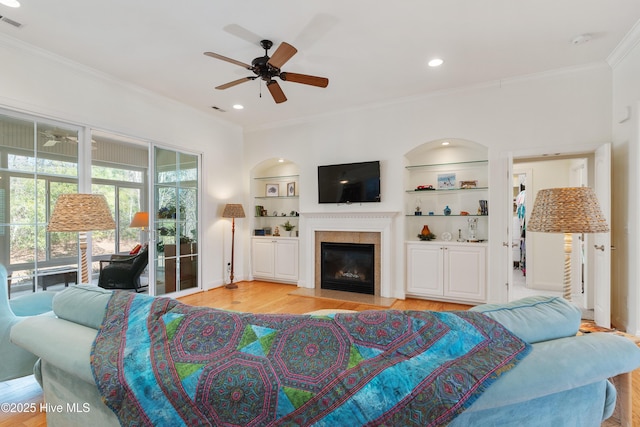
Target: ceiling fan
[
  {"x": 267, "y": 68},
  {"x": 55, "y": 136}
]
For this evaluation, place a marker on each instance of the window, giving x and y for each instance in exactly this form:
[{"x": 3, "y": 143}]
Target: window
[{"x": 38, "y": 162}]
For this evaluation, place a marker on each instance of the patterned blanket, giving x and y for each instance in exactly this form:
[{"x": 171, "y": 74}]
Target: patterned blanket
[{"x": 158, "y": 362}]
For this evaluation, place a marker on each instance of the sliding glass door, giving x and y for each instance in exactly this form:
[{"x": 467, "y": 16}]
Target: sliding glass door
[{"x": 176, "y": 223}]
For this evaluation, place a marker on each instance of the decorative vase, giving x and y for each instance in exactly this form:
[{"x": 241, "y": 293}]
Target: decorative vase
[
  {"x": 447, "y": 210},
  {"x": 425, "y": 230}
]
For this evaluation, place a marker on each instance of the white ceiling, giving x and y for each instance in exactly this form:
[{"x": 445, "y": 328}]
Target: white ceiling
[{"x": 372, "y": 51}]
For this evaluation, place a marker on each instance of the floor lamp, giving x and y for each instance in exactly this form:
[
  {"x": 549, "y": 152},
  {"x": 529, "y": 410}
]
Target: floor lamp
[
  {"x": 567, "y": 210},
  {"x": 81, "y": 213},
  {"x": 233, "y": 211}
]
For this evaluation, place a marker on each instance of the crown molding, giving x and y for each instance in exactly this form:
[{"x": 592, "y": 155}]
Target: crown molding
[{"x": 626, "y": 46}]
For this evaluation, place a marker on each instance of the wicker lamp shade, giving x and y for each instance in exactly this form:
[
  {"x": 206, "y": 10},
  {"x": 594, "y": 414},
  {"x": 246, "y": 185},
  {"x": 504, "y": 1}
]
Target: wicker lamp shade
[
  {"x": 233, "y": 210},
  {"x": 567, "y": 210},
  {"x": 81, "y": 212}
]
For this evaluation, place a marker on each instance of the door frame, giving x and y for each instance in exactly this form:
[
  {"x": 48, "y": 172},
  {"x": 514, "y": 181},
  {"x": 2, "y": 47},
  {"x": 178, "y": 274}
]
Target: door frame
[{"x": 551, "y": 153}]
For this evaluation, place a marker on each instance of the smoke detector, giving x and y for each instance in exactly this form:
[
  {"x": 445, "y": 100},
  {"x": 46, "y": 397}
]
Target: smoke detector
[{"x": 581, "y": 39}]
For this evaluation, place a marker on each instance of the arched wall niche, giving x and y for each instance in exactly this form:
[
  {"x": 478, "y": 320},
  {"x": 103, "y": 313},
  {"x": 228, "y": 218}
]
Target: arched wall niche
[
  {"x": 275, "y": 167},
  {"x": 436, "y": 151}
]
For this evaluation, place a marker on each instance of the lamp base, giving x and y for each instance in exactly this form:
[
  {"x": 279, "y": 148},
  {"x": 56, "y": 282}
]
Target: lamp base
[{"x": 231, "y": 286}]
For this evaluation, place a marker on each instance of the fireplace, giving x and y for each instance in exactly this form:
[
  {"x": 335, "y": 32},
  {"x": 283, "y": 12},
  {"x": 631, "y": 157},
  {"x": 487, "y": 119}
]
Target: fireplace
[
  {"x": 348, "y": 267},
  {"x": 353, "y": 227}
]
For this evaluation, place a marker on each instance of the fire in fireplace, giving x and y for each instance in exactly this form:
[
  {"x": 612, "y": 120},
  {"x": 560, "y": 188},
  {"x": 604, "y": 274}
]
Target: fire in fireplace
[{"x": 347, "y": 267}]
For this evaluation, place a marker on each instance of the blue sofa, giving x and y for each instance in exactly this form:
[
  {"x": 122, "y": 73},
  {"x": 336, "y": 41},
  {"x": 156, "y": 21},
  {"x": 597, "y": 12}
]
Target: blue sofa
[{"x": 564, "y": 381}]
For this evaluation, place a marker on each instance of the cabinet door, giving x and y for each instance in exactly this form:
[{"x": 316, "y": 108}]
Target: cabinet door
[
  {"x": 262, "y": 257},
  {"x": 286, "y": 260},
  {"x": 425, "y": 269},
  {"x": 465, "y": 272}
]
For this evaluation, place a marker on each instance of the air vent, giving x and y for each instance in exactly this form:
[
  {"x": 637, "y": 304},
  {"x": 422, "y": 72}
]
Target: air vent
[
  {"x": 218, "y": 109},
  {"x": 10, "y": 21}
]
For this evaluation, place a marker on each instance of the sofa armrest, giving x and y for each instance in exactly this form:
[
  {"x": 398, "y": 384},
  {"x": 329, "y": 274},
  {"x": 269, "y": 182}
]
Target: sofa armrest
[
  {"x": 64, "y": 344},
  {"x": 83, "y": 304},
  {"x": 559, "y": 365},
  {"x": 536, "y": 319}
]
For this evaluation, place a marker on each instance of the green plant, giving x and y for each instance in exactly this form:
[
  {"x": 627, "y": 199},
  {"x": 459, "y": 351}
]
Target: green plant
[
  {"x": 429, "y": 236},
  {"x": 288, "y": 226}
]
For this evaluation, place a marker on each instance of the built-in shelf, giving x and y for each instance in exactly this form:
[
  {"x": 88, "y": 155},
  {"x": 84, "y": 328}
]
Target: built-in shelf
[
  {"x": 447, "y": 190},
  {"x": 276, "y": 197}
]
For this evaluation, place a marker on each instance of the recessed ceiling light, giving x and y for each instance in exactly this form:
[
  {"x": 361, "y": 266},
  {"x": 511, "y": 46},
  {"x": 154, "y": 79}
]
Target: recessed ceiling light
[
  {"x": 281, "y": 160},
  {"x": 581, "y": 39},
  {"x": 10, "y": 3},
  {"x": 435, "y": 62},
  {"x": 445, "y": 142},
  {"x": 238, "y": 106}
]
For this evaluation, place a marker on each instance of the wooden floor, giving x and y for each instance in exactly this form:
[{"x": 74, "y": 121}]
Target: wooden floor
[{"x": 255, "y": 297}]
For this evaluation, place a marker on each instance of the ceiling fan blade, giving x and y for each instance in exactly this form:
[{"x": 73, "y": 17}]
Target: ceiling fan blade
[
  {"x": 305, "y": 79},
  {"x": 50, "y": 143},
  {"x": 276, "y": 91},
  {"x": 235, "y": 82},
  {"x": 233, "y": 61},
  {"x": 243, "y": 33},
  {"x": 283, "y": 53}
]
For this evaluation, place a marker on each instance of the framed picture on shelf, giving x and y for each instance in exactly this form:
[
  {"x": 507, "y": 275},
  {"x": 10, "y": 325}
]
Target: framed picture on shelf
[
  {"x": 291, "y": 189},
  {"x": 446, "y": 181},
  {"x": 272, "y": 190}
]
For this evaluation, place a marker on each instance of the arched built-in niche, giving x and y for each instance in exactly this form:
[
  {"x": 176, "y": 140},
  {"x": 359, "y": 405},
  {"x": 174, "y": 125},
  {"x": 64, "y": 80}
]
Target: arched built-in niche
[
  {"x": 457, "y": 170},
  {"x": 446, "y": 220},
  {"x": 275, "y": 192},
  {"x": 275, "y": 221}
]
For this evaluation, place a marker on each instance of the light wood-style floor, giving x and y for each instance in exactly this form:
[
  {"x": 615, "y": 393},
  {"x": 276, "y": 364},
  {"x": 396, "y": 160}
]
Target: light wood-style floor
[{"x": 255, "y": 297}]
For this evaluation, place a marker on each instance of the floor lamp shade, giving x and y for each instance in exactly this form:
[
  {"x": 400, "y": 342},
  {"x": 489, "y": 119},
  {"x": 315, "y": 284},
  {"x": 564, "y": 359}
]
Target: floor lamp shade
[
  {"x": 233, "y": 211},
  {"x": 567, "y": 210},
  {"x": 81, "y": 213}
]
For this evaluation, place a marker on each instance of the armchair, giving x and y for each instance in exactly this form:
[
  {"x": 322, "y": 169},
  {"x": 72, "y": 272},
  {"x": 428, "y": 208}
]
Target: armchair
[
  {"x": 17, "y": 362},
  {"x": 123, "y": 272}
]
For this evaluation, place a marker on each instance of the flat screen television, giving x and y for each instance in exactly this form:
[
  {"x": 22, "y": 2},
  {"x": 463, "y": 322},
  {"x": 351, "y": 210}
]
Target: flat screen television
[{"x": 349, "y": 183}]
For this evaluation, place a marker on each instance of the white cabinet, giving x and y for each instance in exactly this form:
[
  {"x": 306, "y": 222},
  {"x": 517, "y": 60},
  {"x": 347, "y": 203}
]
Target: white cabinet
[
  {"x": 448, "y": 270},
  {"x": 275, "y": 258}
]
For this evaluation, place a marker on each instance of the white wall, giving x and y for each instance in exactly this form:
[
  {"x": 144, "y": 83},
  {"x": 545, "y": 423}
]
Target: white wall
[
  {"x": 555, "y": 110},
  {"x": 626, "y": 183},
  {"x": 35, "y": 82}
]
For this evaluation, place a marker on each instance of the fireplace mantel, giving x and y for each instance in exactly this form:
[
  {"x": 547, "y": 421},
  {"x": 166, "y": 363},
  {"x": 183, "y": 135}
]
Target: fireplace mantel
[{"x": 380, "y": 222}]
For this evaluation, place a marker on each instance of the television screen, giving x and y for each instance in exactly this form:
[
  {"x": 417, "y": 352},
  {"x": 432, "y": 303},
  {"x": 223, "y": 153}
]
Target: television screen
[{"x": 349, "y": 183}]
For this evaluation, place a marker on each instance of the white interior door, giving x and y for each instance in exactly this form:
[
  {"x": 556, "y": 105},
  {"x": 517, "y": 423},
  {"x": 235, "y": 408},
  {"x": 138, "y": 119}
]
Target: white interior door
[{"x": 600, "y": 244}]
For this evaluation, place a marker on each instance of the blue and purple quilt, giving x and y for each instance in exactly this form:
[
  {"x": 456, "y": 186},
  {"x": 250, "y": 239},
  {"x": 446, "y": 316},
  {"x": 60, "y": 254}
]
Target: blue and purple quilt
[{"x": 158, "y": 362}]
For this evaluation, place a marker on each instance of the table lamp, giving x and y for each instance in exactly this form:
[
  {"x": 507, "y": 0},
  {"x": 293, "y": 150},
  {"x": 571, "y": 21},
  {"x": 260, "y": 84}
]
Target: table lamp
[
  {"x": 81, "y": 213},
  {"x": 567, "y": 210},
  {"x": 233, "y": 211},
  {"x": 140, "y": 220}
]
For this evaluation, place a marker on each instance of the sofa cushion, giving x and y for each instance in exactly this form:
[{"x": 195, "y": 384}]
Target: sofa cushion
[
  {"x": 535, "y": 319},
  {"x": 82, "y": 304}
]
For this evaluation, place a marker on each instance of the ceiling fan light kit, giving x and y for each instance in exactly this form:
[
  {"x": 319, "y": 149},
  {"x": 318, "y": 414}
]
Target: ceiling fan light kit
[{"x": 267, "y": 68}]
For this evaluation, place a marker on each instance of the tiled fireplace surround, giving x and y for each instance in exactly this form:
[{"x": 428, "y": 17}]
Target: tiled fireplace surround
[{"x": 350, "y": 228}]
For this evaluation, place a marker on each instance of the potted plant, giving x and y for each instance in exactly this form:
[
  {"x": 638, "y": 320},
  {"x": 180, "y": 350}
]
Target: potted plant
[{"x": 288, "y": 226}]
